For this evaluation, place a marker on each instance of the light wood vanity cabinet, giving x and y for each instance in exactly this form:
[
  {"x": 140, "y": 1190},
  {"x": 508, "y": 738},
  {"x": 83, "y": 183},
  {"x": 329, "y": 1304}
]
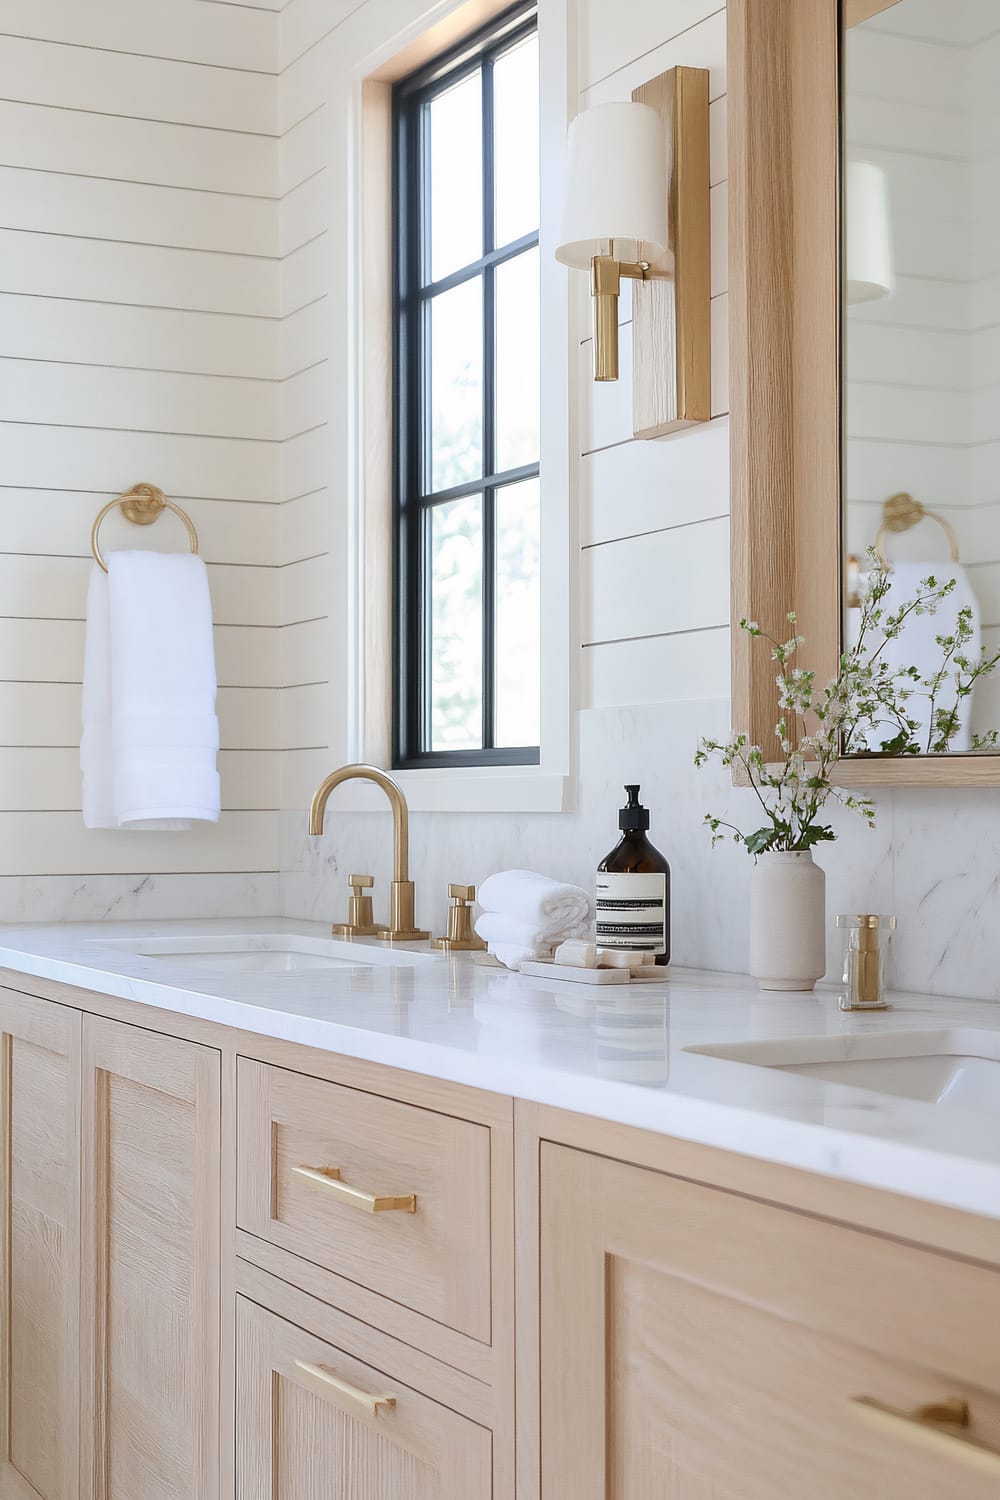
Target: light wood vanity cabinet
[
  {"x": 699, "y": 1343},
  {"x": 40, "y": 1247},
  {"x": 109, "y": 1347},
  {"x": 235, "y": 1269},
  {"x": 313, "y": 1419}
]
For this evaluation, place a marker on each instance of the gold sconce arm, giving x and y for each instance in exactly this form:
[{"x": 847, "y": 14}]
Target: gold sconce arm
[{"x": 606, "y": 277}]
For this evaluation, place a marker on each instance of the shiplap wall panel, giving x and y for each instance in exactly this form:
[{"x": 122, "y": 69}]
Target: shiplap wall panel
[
  {"x": 663, "y": 583},
  {"x": 632, "y": 488},
  {"x": 78, "y": 395},
  {"x": 48, "y": 780},
  {"x": 304, "y": 339},
  {"x": 95, "y": 208},
  {"x": 185, "y": 30},
  {"x": 47, "y": 650},
  {"x": 303, "y": 149},
  {"x": 306, "y": 526},
  {"x": 144, "y": 88},
  {"x": 38, "y": 455},
  {"x": 58, "y": 522},
  {"x": 306, "y": 210},
  {"x": 43, "y": 265},
  {"x": 52, "y": 139},
  {"x": 691, "y": 665},
  {"x": 139, "y": 340},
  {"x": 307, "y": 22}
]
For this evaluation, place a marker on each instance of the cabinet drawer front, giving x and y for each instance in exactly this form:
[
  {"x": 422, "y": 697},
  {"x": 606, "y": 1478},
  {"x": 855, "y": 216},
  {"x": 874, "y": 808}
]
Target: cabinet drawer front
[
  {"x": 699, "y": 1343},
  {"x": 313, "y": 1420},
  {"x": 391, "y": 1196}
]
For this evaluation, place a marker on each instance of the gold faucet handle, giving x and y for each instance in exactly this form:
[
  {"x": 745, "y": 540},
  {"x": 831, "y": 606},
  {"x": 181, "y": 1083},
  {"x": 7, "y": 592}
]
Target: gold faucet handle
[
  {"x": 461, "y": 936},
  {"x": 360, "y": 918}
]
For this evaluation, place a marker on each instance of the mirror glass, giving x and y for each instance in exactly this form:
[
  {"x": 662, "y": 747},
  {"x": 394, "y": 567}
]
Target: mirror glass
[{"x": 921, "y": 388}]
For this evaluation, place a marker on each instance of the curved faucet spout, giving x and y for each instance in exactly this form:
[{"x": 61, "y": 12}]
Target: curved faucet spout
[{"x": 400, "y": 815}]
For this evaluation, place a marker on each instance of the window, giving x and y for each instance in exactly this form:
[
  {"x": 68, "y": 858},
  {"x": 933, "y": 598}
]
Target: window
[{"x": 467, "y": 500}]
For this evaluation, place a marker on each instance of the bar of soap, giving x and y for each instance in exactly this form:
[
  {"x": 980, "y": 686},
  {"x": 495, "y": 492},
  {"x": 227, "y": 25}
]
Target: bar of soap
[
  {"x": 621, "y": 958},
  {"x": 577, "y": 954}
]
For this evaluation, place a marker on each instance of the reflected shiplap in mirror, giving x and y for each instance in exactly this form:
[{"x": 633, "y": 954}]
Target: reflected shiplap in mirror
[{"x": 922, "y": 348}]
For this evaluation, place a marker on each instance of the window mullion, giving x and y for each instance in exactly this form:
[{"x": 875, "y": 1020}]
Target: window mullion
[{"x": 489, "y": 417}]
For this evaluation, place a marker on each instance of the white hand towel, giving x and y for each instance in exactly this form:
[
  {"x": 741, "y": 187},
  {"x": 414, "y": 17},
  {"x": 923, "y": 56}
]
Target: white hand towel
[
  {"x": 500, "y": 927},
  {"x": 150, "y": 735},
  {"x": 550, "y": 909},
  {"x": 916, "y": 646}
]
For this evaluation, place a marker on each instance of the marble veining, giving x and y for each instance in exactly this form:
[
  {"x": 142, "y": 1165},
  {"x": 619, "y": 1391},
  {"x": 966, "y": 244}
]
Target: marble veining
[{"x": 618, "y": 1053}]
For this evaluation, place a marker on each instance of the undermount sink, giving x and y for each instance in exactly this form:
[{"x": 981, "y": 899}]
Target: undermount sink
[
  {"x": 955, "y": 1068},
  {"x": 266, "y": 953}
]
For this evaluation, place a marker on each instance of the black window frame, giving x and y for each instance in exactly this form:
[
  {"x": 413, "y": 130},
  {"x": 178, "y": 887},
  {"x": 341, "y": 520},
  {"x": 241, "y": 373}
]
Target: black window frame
[{"x": 411, "y": 631}]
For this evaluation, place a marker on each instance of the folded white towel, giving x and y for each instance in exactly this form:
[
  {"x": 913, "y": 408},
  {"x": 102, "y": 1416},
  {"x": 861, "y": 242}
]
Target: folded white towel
[
  {"x": 548, "y": 908},
  {"x": 150, "y": 732},
  {"x": 512, "y": 956}
]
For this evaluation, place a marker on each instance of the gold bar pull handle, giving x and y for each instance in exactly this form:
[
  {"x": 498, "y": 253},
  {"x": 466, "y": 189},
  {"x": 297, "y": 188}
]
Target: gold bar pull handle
[
  {"x": 940, "y": 1427},
  {"x": 371, "y": 1203},
  {"x": 349, "y": 1397}
]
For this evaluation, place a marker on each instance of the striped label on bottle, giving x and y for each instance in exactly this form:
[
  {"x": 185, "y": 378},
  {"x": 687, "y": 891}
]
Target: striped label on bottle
[{"x": 631, "y": 912}]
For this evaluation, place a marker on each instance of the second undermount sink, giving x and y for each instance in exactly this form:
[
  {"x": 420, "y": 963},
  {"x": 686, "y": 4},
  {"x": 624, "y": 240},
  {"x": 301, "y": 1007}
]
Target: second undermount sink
[
  {"x": 955, "y": 1068},
  {"x": 267, "y": 953}
]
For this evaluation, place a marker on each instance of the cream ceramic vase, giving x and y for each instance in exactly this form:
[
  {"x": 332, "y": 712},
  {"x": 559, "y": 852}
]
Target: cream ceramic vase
[{"x": 787, "y": 922}]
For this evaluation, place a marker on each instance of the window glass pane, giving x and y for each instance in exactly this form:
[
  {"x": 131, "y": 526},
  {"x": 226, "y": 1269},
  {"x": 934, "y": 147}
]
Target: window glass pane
[
  {"x": 456, "y": 362},
  {"x": 517, "y": 361},
  {"x": 518, "y": 638},
  {"x": 515, "y": 131},
  {"x": 456, "y": 646},
  {"x": 454, "y": 122}
]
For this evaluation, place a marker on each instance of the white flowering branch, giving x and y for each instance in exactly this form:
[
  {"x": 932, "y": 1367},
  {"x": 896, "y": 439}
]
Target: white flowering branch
[{"x": 868, "y": 698}]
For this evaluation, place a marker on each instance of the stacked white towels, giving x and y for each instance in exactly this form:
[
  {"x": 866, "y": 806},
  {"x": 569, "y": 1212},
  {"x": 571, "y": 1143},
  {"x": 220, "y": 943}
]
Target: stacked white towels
[
  {"x": 525, "y": 915},
  {"x": 150, "y": 732}
]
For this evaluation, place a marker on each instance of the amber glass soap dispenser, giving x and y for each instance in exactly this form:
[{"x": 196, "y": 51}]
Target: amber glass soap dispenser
[{"x": 633, "y": 889}]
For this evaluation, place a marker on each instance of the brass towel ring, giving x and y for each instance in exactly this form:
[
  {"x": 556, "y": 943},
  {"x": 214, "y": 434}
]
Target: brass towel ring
[
  {"x": 142, "y": 504},
  {"x": 902, "y": 511}
]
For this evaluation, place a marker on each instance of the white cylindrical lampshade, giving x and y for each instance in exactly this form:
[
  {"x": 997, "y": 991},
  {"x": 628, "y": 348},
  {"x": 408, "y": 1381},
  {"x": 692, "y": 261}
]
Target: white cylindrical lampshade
[
  {"x": 616, "y": 185},
  {"x": 870, "y": 273}
]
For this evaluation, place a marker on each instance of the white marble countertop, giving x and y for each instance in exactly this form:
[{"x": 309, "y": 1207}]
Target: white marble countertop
[{"x": 615, "y": 1052}]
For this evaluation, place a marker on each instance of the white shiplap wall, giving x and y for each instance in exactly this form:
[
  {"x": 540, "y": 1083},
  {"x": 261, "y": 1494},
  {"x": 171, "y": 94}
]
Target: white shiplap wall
[
  {"x": 139, "y": 339},
  {"x": 650, "y": 566}
]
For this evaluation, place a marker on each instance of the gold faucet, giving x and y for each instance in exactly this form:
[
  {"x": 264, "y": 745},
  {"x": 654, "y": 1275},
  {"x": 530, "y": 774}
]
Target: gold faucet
[{"x": 401, "y": 921}]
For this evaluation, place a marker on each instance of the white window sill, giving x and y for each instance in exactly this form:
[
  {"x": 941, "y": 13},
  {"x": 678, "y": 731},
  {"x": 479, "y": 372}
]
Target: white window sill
[{"x": 466, "y": 789}]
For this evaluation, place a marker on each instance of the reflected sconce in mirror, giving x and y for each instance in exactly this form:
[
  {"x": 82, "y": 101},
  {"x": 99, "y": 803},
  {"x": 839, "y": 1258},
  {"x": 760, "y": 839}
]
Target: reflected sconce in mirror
[
  {"x": 637, "y": 206},
  {"x": 868, "y": 251}
]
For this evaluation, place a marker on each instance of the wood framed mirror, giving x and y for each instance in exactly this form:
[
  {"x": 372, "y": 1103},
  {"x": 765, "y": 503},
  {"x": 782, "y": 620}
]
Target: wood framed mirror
[{"x": 823, "y": 463}]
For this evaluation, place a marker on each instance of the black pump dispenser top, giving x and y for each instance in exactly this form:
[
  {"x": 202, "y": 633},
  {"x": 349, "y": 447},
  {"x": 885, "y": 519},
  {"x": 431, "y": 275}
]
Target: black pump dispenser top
[{"x": 633, "y": 815}]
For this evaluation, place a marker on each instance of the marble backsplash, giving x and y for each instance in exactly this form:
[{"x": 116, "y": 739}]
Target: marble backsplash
[{"x": 933, "y": 859}]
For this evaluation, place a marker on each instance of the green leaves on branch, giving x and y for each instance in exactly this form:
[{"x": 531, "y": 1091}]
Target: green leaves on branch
[{"x": 866, "y": 702}]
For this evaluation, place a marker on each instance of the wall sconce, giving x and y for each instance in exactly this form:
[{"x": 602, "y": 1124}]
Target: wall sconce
[
  {"x": 868, "y": 234},
  {"x": 637, "y": 205}
]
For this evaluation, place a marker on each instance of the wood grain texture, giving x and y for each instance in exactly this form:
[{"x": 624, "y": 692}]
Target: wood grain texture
[
  {"x": 671, "y": 319},
  {"x": 39, "y": 1249},
  {"x": 150, "y": 1329},
  {"x": 783, "y": 280},
  {"x": 695, "y": 1343},
  {"x": 436, "y": 1260},
  {"x": 294, "y": 1442}
]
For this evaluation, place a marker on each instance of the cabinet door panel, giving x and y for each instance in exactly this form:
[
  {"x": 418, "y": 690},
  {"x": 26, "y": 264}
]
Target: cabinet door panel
[
  {"x": 299, "y": 1436},
  {"x": 701, "y": 1346},
  {"x": 40, "y": 1239},
  {"x": 151, "y": 1143}
]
